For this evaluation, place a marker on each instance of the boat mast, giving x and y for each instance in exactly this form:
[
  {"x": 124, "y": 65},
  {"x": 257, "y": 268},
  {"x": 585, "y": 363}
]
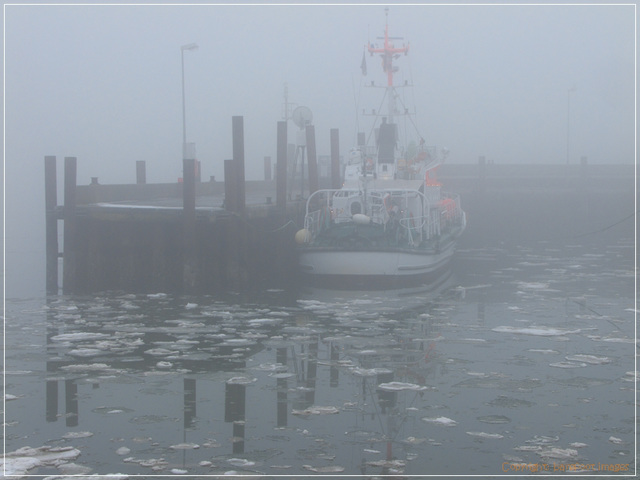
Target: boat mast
[{"x": 388, "y": 52}]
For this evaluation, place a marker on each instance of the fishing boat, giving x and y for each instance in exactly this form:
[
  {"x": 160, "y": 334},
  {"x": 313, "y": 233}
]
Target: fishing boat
[{"x": 391, "y": 225}]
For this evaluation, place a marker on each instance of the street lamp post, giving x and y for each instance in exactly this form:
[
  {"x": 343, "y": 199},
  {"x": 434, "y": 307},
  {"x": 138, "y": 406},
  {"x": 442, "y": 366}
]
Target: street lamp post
[{"x": 190, "y": 46}]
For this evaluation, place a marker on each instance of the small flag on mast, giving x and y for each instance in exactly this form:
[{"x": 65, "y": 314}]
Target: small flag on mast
[{"x": 363, "y": 65}]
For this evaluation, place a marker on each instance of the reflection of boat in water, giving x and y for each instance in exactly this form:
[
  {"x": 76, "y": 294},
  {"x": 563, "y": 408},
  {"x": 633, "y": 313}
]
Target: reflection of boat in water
[
  {"x": 395, "y": 302},
  {"x": 390, "y": 224}
]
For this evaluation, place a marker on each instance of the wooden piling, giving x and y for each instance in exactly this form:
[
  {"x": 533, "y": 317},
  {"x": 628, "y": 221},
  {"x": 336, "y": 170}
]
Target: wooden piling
[
  {"x": 51, "y": 224},
  {"x": 189, "y": 273},
  {"x": 312, "y": 158},
  {"x": 281, "y": 167},
  {"x": 141, "y": 172},
  {"x": 238, "y": 156},
  {"x": 69, "y": 256},
  {"x": 336, "y": 175}
]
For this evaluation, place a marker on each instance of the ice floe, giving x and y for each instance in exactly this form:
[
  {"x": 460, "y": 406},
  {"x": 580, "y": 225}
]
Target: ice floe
[
  {"x": 538, "y": 331},
  {"x": 578, "y": 445},
  {"x": 568, "y": 364},
  {"x": 316, "y": 410},
  {"x": 444, "y": 421},
  {"x": 241, "y": 462},
  {"x": 558, "y": 453},
  {"x": 20, "y": 461},
  {"x": 485, "y": 435},
  {"x": 590, "y": 359},
  {"x": 71, "y": 435},
  {"x": 85, "y": 352},
  {"x": 494, "y": 419},
  {"x": 78, "y": 337},
  {"x": 241, "y": 381},
  {"x": 369, "y": 372},
  {"x": 327, "y": 469},
  {"x": 185, "y": 446},
  {"x": 399, "y": 386}
]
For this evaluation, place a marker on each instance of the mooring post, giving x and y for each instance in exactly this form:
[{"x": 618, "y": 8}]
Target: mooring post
[
  {"x": 238, "y": 157},
  {"x": 281, "y": 167},
  {"x": 312, "y": 158},
  {"x": 336, "y": 176},
  {"x": 141, "y": 172},
  {"x": 189, "y": 272},
  {"x": 267, "y": 168},
  {"x": 69, "y": 255},
  {"x": 51, "y": 224}
]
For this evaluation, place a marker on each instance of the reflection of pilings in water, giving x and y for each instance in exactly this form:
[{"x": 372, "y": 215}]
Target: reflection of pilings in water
[
  {"x": 386, "y": 399},
  {"x": 307, "y": 374},
  {"x": 71, "y": 403},
  {"x": 234, "y": 411},
  {"x": 189, "y": 402},
  {"x": 281, "y": 390},
  {"x": 52, "y": 401},
  {"x": 312, "y": 368},
  {"x": 333, "y": 370}
]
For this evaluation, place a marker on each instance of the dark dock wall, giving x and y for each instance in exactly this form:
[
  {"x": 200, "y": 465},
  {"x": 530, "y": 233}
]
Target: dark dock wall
[{"x": 143, "y": 252}]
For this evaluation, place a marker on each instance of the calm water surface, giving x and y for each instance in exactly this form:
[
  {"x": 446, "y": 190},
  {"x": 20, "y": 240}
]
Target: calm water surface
[{"x": 523, "y": 363}]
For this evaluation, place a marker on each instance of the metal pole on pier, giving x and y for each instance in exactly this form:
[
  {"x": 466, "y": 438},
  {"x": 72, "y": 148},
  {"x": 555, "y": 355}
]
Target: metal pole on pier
[
  {"x": 281, "y": 167},
  {"x": 237, "y": 124},
  {"x": 69, "y": 255},
  {"x": 312, "y": 159},
  {"x": 51, "y": 224},
  {"x": 189, "y": 272}
]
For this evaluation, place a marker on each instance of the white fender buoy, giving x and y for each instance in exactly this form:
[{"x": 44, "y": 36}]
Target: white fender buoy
[
  {"x": 361, "y": 219},
  {"x": 303, "y": 236}
]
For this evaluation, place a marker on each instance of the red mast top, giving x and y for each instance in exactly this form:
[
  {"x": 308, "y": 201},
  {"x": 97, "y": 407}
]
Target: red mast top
[{"x": 388, "y": 52}]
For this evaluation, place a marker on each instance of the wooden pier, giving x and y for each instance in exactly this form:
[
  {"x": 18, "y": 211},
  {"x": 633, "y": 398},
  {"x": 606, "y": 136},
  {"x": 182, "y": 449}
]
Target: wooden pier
[
  {"x": 188, "y": 236},
  {"x": 208, "y": 237}
]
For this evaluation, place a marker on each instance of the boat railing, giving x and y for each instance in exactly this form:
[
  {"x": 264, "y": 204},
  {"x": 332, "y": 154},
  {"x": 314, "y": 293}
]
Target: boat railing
[{"x": 420, "y": 225}]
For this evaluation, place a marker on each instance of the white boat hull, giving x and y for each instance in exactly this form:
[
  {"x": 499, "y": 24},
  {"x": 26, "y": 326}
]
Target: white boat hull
[{"x": 374, "y": 269}]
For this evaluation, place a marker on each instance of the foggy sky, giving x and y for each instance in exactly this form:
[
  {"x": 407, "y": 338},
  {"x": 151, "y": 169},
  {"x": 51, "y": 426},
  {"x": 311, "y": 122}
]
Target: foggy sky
[{"x": 103, "y": 83}]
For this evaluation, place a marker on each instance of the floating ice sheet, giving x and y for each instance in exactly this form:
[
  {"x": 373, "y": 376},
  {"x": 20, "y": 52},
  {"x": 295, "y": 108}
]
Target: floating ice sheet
[
  {"x": 399, "y": 386},
  {"x": 538, "y": 331},
  {"x": 444, "y": 421},
  {"x": 316, "y": 410},
  {"x": 485, "y": 435}
]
